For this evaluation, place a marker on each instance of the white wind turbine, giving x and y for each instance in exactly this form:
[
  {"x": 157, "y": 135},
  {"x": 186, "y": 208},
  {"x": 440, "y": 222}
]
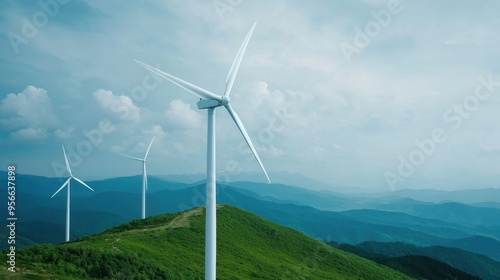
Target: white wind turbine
[
  {"x": 210, "y": 101},
  {"x": 67, "y": 183},
  {"x": 144, "y": 177}
]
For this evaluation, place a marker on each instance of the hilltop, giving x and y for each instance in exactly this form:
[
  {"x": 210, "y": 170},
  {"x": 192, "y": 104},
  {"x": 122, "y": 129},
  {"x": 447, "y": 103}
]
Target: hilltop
[{"x": 171, "y": 246}]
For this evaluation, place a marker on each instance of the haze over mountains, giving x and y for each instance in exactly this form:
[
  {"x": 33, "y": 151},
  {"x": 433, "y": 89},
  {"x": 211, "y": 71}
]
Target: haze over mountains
[{"x": 421, "y": 218}]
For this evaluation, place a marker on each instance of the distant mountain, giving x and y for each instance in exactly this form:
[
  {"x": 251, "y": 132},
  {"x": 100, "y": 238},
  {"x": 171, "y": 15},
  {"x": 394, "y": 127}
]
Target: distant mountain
[
  {"x": 283, "y": 177},
  {"x": 437, "y": 227},
  {"x": 184, "y": 178},
  {"x": 452, "y": 212},
  {"x": 36, "y": 185},
  {"x": 478, "y": 244},
  {"x": 323, "y": 200},
  {"x": 439, "y": 196},
  {"x": 83, "y": 222},
  {"x": 420, "y": 267},
  {"x": 487, "y": 204},
  {"x": 474, "y": 264},
  {"x": 172, "y": 247},
  {"x": 133, "y": 184}
]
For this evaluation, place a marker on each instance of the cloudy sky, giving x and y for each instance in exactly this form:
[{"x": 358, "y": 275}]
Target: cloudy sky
[{"x": 375, "y": 94}]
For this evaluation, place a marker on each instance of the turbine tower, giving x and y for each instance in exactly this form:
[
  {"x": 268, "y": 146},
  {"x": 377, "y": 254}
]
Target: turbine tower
[
  {"x": 67, "y": 183},
  {"x": 144, "y": 177},
  {"x": 211, "y": 101}
]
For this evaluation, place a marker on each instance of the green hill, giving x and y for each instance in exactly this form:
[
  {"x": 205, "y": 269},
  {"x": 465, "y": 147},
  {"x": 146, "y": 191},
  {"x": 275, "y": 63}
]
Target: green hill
[{"x": 171, "y": 246}]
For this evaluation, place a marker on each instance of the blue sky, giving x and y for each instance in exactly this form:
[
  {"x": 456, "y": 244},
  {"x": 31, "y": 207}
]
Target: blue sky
[{"x": 373, "y": 94}]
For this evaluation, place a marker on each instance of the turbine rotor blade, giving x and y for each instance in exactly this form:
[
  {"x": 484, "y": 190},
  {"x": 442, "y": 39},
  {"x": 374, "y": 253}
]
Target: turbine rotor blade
[
  {"x": 147, "y": 152},
  {"x": 136, "y": 158},
  {"x": 237, "y": 61},
  {"x": 67, "y": 163},
  {"x": 196, "y": 90},
  {"x": 81, "y": 182},
  {"x": 243, "y": 131},
  {"x": 62, "y": 187}
]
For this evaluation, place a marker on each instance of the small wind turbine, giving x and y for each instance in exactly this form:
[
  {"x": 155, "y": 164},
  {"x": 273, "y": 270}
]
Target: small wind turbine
[
  {"x": 67, "y": 183},
  {"x": 144, "y": 177},
  {"x": 210, "y": 101}
]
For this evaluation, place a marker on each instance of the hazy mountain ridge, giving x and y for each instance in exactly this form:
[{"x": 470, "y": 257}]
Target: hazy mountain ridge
[{"x": 467, "y": 196}]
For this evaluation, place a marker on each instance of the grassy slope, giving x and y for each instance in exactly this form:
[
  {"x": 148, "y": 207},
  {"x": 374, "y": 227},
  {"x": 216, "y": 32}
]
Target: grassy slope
[{"x": 172, "y": 246}]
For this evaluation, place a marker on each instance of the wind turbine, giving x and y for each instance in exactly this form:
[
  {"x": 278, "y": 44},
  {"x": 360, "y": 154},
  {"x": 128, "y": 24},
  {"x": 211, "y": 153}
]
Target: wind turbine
[
  {"x": 211, "y": 101},
  {"x": 67, "y": 183},
  {"x": 144, "y": 177}
]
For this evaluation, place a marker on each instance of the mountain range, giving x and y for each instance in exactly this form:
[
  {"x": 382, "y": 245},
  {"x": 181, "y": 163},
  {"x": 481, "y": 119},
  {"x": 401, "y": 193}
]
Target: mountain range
[{"x": 321, "y": 214}]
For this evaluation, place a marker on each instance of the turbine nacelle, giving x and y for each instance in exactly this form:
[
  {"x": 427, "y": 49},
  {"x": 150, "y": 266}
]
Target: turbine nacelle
[
  {"x": 208, "y": 103},
  {"x": 212, "y": 103}
]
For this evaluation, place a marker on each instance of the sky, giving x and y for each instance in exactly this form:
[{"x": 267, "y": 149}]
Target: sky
[{"x": 380, "y": 95}]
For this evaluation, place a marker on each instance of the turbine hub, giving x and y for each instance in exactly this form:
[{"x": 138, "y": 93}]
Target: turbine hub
[{"x": 225, "y": 100}]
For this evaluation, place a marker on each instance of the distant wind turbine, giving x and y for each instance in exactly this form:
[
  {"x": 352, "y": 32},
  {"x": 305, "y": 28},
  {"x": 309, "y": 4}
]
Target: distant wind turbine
[
  {"x": 67, "y": 183},
  {"x": 210, "y": 101},
  {"x": 144, "y": 177}
]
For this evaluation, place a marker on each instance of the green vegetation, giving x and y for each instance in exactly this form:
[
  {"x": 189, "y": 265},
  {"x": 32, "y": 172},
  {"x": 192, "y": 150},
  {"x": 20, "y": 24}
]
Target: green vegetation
[{"x": 172, "y": 247}]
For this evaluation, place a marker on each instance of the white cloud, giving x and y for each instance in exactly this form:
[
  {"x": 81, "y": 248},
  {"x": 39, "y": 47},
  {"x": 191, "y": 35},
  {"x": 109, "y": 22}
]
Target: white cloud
[
  {"x": 336, "y": 146},
  {"x": 29, "y": 134},
  {"x": 119, "y": 106},
  {"x": 273, "y": 151},
  {"x": 31, "y": 107},
  {"x": 180, "y": 115},
  {"x": 63, "y": 133},
  {"x": 157, "y": 131},
  {"x": 260, "y": 94}
]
